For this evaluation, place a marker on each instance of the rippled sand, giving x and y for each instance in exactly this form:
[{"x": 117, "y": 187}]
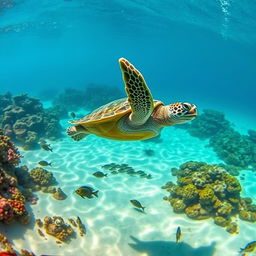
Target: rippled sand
[{"x": 114, "y": 227}]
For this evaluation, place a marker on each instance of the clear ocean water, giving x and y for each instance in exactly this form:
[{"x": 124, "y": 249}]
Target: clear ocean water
[{"x": 202, "y": 52}]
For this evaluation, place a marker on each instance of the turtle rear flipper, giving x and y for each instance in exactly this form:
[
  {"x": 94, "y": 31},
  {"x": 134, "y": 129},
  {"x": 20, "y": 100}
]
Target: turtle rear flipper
[
  {"x": 139, "y": 95},
  {"x": 77, "y": 132}
]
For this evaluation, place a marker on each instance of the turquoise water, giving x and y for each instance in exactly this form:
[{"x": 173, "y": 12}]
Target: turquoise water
[{"x": 188, "y": 51}]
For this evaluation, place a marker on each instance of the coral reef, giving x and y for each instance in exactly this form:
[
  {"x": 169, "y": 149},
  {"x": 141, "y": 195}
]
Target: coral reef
[
  {"x": 72, "y": 99},
  {"x": 12, "y": 202},
  {"x": 42, "y": 177},
  {"x": 234, "y": 148},
  {"x": 8, "y": 248},
  {"x": 206, "y": 125},
  {"x": 37, "y": 179},
  {"x": 252, "y": 135},
  {"x": 57, "y": 228},
  {"x": 92, "y": 97},
  {"x": 97, "y": 95},
  {"x": 209, "y": 191},
  {"x": 26, "y": 121}
]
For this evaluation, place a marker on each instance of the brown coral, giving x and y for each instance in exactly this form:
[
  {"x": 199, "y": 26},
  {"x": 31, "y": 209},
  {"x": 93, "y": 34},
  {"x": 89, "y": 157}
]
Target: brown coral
[
  {"x": 56, "y": 227},
  {"x": 205, "y": 191}
]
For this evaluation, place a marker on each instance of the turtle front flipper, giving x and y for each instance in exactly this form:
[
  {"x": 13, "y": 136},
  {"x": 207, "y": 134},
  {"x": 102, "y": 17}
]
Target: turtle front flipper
[
  {"x": 139, "y": 95},
  {"x": 76, "y": 132}
]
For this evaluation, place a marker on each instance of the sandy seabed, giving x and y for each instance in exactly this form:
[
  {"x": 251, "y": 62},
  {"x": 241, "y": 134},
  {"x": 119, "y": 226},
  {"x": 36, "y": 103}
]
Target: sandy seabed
[{"x": 114, "y": 227}]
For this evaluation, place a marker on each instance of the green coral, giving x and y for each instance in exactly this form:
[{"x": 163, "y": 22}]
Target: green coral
[
  {"x": 234, "y": 148},
  {"x": 193, "y": 211},
  {"x": 232, "y": 228},
  {"x": 221, "y": 221},
  {"x": 184, "y": 181},
  {"x": 189, "y": 192},
  {"x": 206, "y": 196},
  {"x": 245, "y": 215},
  {"x": 197, "y": 212},
  {"x": 208, "y": 124},
  {"x": 42, "y": 177},
  {"x": 233, "y": 185},
  {"x": 178, "y": 205},
  {"x": 225, "y": 209},
  {"x": 231, "y": 146},
  {"x": 205, "y": 190}
]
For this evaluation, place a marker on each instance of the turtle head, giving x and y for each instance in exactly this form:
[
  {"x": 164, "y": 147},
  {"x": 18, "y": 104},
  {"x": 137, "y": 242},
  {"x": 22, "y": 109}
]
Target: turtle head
[{"x": 179, "y": 113}]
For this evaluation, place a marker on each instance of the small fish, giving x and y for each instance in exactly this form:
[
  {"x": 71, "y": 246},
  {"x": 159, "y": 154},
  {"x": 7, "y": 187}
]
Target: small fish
[
  {"x": 130, "y": 172},
  {"x": 44, "y": 163},
  {"x": 114, "y": 172},
  {"x": 99, "y": 174},
  {"x": 72, "y": 115},
  {"x": 122, "y": 170},
  {"x": 46, "y": 147},
  {"x": 86, "y": 191},
  {"x": 137, "y": 204},
  {"x": 149, "y": 176},
  {"x": 250, "y": 247},
  {"x": 112, "y": 168},
  {"x": 107, "y": 166},
  {"x": 178, "y": 234}
]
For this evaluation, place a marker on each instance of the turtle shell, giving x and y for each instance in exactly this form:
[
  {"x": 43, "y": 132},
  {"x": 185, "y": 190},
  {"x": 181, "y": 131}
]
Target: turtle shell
[{"x": 111, "y": 110}]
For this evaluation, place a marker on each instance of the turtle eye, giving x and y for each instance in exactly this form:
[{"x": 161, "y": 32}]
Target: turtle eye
[{"x": 186, "y": 106}]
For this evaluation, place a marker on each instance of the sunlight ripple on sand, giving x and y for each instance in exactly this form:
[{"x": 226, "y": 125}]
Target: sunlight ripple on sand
[{"x": 110, "y": 219}]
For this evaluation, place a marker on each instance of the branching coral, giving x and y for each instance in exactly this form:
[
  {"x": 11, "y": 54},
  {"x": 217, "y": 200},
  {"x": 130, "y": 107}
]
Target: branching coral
[
  {"x": 11, "y": 199},
  {"x": 205, "y": 191}
]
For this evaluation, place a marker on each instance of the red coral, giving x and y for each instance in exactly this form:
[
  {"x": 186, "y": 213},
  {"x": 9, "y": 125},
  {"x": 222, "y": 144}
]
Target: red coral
[
  {"x": 8, "y": 152},
  {"x": 13, "y": 156},
  {"x": 18, "y": 207},
  {"x": 6, "y": 210}
]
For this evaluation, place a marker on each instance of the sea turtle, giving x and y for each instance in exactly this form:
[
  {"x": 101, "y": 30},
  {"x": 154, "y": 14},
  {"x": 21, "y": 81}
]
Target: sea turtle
[{"x": 137, "y": 117}]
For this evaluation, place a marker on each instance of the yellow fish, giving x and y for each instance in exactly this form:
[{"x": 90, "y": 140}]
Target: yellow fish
[
  {"x": 250, "y": 247},
  {"x": 178, "y": 235},
  {"x": 86, "y": 191},
  {"x": 137, "y": 204}
]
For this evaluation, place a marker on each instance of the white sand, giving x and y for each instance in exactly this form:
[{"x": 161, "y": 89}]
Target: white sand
[{"x": 110, "y": 219}]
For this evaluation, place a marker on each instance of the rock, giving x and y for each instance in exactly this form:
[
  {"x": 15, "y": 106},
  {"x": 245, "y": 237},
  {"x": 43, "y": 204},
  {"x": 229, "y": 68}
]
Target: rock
[{"x": 59, "y": 194}]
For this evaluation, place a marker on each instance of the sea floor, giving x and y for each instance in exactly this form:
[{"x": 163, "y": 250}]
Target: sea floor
[{"x": 114, "y": 227}]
